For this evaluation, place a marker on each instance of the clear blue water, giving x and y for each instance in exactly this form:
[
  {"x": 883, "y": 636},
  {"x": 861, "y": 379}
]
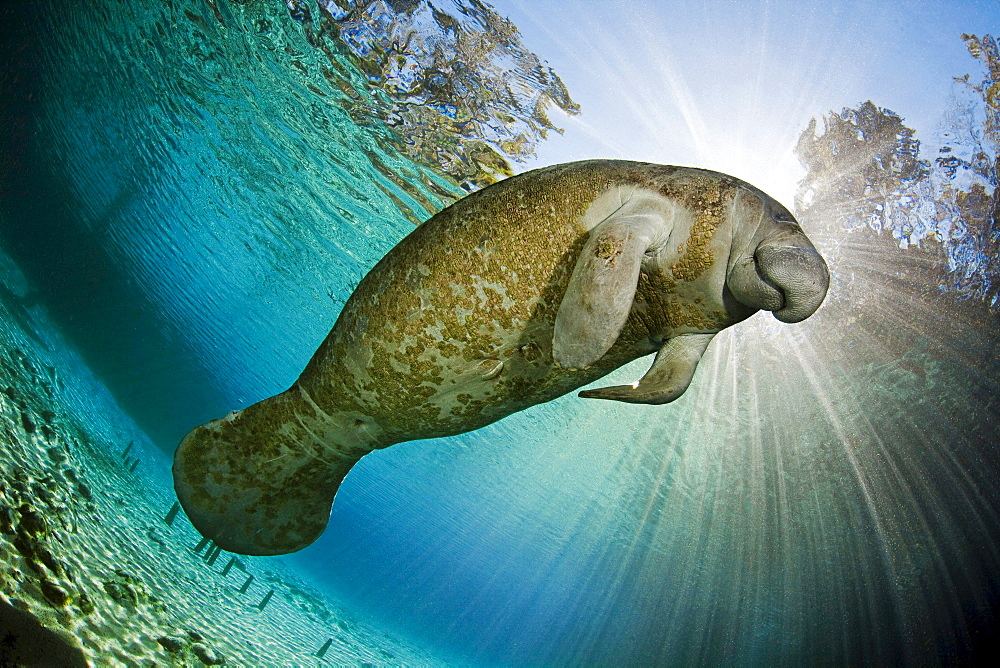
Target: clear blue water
[{"x": 192, "y": 189}]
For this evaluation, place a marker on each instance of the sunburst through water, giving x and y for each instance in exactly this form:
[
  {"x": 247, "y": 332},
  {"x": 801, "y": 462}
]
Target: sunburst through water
[{"x": 192, "y": 189}]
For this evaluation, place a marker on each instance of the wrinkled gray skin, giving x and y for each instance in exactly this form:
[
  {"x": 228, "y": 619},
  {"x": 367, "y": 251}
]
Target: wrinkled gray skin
[
  {"x": 512, "y": 296},
  {"x": 777, "y": 269}
]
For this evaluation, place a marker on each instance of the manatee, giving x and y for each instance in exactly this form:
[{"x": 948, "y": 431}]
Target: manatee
[{"x": 512, "y": 296}]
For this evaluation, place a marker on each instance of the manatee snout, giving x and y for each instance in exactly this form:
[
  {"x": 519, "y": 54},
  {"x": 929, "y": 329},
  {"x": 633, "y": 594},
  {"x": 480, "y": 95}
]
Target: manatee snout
[
  {"x": 785, "y": 274},
  {"x": 799, "y": 273}
]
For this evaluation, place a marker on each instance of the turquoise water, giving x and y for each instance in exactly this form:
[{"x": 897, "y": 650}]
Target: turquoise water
[{"x": 192, "y": 189}]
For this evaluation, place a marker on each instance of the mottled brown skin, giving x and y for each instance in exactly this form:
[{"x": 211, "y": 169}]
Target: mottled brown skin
[
  {"x": 416, "y": 351},
  {"x": 483, "y": 280}
]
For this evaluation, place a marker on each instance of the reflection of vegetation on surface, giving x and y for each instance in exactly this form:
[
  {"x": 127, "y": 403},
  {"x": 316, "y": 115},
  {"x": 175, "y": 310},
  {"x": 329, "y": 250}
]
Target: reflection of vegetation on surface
[
  {"x": 462, "y": 93},
  {"x": 864, "y": 172}
]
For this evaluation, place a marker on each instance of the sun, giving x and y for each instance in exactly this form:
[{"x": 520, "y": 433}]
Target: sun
[{"x": 777, "y": 173}]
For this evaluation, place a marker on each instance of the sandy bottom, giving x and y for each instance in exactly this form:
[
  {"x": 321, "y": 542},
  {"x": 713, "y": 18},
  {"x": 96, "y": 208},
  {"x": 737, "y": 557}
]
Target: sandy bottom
[{"x": 89, "y": 570}]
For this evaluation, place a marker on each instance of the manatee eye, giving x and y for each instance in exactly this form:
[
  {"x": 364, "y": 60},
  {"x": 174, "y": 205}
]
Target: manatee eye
[{"x": 784, "y": 218}]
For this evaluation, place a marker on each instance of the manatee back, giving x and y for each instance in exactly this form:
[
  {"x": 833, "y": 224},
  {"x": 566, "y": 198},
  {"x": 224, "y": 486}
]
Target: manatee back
[{"x": 481, "y": 280}]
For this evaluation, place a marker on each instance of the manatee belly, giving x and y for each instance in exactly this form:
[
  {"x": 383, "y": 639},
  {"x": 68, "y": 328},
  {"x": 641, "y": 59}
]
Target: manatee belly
[
  {"x": 416, "y": 381},
  {"x": 477, "y": 284}
]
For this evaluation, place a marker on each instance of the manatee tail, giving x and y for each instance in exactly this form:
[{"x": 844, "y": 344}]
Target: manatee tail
[{"x": 261, "y": 481}]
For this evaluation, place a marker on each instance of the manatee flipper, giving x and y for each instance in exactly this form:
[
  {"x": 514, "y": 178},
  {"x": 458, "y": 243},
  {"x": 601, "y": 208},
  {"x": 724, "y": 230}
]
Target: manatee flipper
[
  {"x": 261, "y": 481},
  {"x": 602, "y": 288},
  {"x": 668, "y": 377}
]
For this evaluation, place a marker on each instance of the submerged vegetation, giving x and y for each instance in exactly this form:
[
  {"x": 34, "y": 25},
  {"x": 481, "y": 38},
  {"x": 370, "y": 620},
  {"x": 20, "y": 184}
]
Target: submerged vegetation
[{"x": 89, "y": 573}]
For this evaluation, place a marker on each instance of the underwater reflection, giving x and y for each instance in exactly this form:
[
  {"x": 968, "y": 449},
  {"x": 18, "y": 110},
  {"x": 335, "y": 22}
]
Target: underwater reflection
[{"x": 191, "y": 191}]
